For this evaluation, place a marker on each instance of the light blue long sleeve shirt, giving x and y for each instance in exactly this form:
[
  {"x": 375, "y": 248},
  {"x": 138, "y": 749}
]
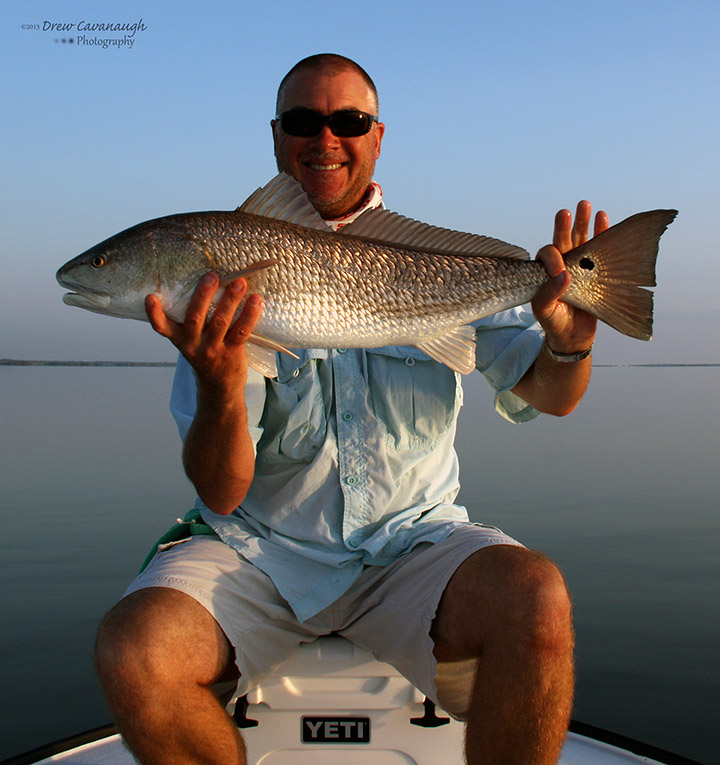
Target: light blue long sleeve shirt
[{"x": 355, "y": 463}]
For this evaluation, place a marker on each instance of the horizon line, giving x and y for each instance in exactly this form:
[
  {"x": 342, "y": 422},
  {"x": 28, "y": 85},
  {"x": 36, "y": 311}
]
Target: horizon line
[{"x": 80, "y": 363}]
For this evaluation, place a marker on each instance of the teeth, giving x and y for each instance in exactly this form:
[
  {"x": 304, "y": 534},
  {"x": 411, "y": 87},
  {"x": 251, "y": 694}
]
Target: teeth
[{"x": 325, "y": 167}]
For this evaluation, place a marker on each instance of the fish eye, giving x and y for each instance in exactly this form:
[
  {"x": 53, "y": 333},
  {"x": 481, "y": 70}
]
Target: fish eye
[{"x": 98, "y": 261}]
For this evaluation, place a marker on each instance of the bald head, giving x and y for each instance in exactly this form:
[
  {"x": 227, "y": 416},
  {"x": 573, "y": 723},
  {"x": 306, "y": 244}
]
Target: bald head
[{"x": 330, "y": 64}]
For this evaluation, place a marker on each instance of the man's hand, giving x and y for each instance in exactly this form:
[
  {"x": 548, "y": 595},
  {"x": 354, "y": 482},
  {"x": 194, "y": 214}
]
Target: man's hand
[
  {"x": 218, "y": 453},
  {"x": 551, "y": 386},
  {"x": 213, "y": 348},
  {"x": 567, "y": 329}
]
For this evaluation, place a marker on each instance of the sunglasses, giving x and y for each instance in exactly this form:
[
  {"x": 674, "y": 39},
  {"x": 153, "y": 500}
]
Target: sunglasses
[{"x": 306, "y": 123}]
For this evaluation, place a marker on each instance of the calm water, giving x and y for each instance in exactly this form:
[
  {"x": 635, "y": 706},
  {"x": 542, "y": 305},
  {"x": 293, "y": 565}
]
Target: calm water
[{"x": 623, "y": 494}]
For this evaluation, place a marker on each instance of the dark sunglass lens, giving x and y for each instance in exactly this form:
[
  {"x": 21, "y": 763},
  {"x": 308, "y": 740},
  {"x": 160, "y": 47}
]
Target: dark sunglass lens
[
  {"x": 349, "y": 124},
  {"x": 301, "y": 123},
  {"x": 305, "y": 123}
]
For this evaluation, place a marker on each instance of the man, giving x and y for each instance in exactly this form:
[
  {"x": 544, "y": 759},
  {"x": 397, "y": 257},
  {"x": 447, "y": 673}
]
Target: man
[{"x": 331, "y": 491}]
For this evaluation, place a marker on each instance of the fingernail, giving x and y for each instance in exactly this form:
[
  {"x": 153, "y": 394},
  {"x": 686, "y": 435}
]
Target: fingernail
[{"x": 209, "y": 278}]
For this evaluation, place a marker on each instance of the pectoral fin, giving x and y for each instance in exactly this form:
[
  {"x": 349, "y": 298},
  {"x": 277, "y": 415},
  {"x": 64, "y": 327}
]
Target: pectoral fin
[
  {"x": 261, "y": 359},
  {"x": 249, "y": 272},
  {"x": 260, "y": 353}
]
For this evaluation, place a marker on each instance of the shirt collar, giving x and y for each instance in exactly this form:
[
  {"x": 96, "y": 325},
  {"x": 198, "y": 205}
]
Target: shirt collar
[{"x": 373, "y": 198}]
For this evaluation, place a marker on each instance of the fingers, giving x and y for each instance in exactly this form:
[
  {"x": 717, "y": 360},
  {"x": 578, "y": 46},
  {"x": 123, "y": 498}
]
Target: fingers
[
  {"x": 199, "y": 306},
  {"x": 245, "y": 323},
  {"x": 602, "y": 222},
  {"x": 196, "y": 331},
  {"x": 562, "y": 232},
  {"x": 545, "y": 301},
  {"x": 157, "y": 318},
  {"x": 581, "y": 227},
  {"x": 568, "y": 233},
  {"x": 217, "y": 328},
  {"x": 550, "y": 256}
]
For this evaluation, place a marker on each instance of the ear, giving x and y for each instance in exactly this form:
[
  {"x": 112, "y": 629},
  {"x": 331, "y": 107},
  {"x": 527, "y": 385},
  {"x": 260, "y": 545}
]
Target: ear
[
  {"x": 379, "y": 133},
  {"x": 274, "y": 128}
]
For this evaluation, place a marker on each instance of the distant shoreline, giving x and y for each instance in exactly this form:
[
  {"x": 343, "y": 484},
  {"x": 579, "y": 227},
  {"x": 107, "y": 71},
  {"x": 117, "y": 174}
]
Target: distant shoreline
[
  {"x": 42, "y": 363},
  {"x": 39, "y": 363}
]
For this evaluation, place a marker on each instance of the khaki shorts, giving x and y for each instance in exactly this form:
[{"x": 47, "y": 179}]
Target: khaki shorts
[{"x": 388, "y": 610}]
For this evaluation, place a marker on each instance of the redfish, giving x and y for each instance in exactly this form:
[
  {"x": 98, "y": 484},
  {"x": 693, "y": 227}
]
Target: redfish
[{"x": 382, "y": 280}]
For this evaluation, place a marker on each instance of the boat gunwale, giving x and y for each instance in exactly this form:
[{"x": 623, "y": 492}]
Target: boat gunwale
[{"x": 586, "y": 730}]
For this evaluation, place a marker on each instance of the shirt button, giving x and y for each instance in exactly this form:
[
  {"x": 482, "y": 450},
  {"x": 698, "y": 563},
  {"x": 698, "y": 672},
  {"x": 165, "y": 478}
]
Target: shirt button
[
  {"x": 353, "y": 542},
  {"x": 351, "y": 480},
  {"x": 342, "y": 350},
  {"x": 347, "y": 416}
]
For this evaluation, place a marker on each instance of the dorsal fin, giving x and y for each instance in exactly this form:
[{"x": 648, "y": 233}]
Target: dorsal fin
[
  {"x": 283, "y": 198},
  {"x": 388, "y": 227}
]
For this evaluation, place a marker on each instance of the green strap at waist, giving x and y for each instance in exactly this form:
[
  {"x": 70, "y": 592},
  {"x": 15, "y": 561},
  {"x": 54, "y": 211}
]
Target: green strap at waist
[{"x": 190, "y": 526}]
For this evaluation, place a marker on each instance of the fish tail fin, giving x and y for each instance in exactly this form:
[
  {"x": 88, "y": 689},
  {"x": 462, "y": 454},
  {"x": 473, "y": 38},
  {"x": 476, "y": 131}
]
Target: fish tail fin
[{"x": 610, "y": 271}]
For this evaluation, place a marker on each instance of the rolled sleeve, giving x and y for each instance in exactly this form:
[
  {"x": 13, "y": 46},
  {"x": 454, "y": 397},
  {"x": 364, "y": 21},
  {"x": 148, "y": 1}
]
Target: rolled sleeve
[{"x": 507, "y": 345}]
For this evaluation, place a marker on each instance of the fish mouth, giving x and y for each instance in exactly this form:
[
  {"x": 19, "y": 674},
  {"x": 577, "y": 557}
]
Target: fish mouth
[
  {"x": 90, "y": 301},
  {"x": 82, "y": 297}
]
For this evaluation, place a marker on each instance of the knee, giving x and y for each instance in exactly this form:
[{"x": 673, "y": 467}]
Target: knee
[
  {"x": 543, "y": 610},
  {"x": 116, "y": 649},
  {"x": 504, "y": 598},
  {"x": 128, "y": 650},
  {"x": 150, "y": 640}
]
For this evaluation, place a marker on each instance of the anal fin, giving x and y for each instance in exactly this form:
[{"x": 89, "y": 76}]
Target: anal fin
[{"x": 456, "y": 349}]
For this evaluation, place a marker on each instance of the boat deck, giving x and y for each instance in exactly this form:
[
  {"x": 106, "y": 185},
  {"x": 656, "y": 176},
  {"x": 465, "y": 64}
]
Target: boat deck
[{"x": 332, "y": 702}]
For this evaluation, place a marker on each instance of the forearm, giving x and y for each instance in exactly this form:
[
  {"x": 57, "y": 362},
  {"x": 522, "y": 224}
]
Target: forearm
[
  {"x": 554, "y": 387},
  {"x": 218, "y": 453}
]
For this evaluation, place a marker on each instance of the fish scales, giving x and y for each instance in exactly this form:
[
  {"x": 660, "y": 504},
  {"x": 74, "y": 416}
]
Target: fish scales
[
  {"x": 383, "y": 280},
  {"x": 349, "y": 290}
]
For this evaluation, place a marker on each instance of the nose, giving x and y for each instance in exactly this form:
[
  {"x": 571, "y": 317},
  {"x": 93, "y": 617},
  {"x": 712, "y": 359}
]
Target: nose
[{"x": 325, "y": 138}]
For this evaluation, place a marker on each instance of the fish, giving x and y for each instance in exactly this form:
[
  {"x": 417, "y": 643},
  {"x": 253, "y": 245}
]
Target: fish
[{"x": 384, "y": 279}]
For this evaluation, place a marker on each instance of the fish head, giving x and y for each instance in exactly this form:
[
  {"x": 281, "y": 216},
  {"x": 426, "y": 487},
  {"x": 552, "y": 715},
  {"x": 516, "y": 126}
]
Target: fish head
[{"x": 115, "y": 276}]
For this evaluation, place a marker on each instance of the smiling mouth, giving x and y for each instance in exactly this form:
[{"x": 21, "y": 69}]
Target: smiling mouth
[{"x": 324, "y": 168}]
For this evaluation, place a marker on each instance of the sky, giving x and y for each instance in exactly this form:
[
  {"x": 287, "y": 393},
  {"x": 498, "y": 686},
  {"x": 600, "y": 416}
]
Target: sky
[{"x": 497, "y": 115}]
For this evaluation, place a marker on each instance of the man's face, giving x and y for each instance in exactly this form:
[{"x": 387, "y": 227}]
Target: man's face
[{"x": 335, "y": 172}]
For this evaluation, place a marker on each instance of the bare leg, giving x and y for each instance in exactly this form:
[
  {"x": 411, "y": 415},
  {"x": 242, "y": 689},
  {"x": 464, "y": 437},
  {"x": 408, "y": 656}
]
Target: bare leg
[
  {"x": 158, "y": 653},
  {"x": 509, "y": 607}
]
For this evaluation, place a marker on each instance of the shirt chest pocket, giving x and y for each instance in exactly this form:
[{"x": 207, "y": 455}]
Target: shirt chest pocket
[
  {"x": 295, "y": 419},
  {"x": 416, "y": 399}
]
